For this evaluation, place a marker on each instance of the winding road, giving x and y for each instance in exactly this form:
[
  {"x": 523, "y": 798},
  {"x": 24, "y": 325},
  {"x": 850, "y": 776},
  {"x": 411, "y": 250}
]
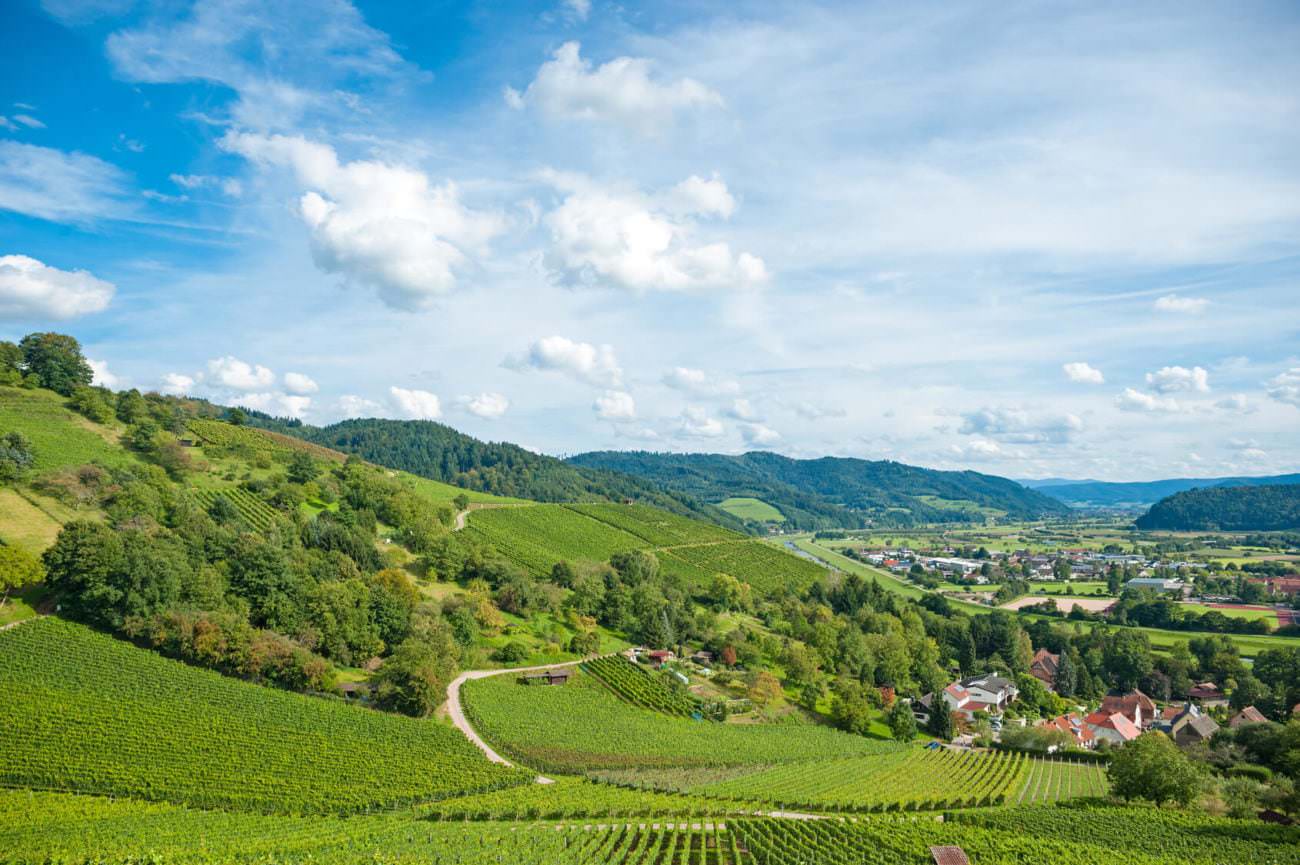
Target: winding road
[{"x": 457, "y": 712}]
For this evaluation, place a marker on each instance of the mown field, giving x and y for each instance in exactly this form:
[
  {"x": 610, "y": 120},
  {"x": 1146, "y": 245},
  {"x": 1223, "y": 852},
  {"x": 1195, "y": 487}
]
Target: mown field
[
  {"x": 583, "y": 727},
  {"x": 86, "y": 713}
]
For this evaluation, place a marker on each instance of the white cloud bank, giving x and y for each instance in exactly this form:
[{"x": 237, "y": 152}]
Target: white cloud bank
[
  {"x": 299, "y": 384},
  {"x": 1136, "y": 400},
  {"x": 234, "y": 374},
  {"x": 58, "y": 186},
  {"x": 1184, "y": 305},
  {"x": 1020, "y": 426},
  {"x": 1285, "y": 387},
  {"x": 32, "y": 289},
  {"x": 384, "y": 226},
  {"x": 487, "y": 405},
  {"x": 1083, "y": 373},
  {"x": 416, "y": 404},
  {"x": 1173, "y": 379},
  {"x": 582, "y": 361},
  {"x": 615, "y": 405},
  {"x": 622, "y": 91},
  {"x": 622, "y": 238}
]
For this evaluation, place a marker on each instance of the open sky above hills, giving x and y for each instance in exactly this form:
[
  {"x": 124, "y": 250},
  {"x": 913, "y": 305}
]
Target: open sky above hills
[{"x": 1048, "y": 239}]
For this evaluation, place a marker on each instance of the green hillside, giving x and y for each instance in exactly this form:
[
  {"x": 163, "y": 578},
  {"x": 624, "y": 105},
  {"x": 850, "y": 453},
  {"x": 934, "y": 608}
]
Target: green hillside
[
  {"x": 86, "y": 713},
  {"x": 437, "y": 451},
  {"x": 751, "y": 509},
  {"x": 1227, "y": 508},
  {"x": 831, "y": 492}
]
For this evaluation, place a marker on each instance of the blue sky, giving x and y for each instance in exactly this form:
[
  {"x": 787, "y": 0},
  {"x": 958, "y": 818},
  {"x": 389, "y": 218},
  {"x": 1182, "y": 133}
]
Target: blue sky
[{"x": 1030, "y": 239}]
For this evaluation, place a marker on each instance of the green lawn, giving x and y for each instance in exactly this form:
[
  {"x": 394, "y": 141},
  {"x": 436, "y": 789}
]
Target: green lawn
[{"x": 751, "y": 509}]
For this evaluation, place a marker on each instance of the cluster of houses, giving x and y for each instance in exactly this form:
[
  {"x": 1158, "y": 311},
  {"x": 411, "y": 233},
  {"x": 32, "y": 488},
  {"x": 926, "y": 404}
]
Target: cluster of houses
[
  {"x": 1084, "y": 564},
  {"x": 1121, "y": 717}
]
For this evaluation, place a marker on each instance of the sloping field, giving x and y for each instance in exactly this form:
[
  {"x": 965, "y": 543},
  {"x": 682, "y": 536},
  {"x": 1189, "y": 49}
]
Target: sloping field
[
  {"x": 60, "y": 437},
  {"x": 751, "y": 509},
  {"x": 84, "y": 712}
]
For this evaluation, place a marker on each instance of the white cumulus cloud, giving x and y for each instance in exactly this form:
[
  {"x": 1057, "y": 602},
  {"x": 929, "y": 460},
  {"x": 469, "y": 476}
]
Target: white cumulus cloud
[
  {"x": 592, "y": 364},
  {"x": 698, "y": 382},
  {"x": 384, "y": 226},
  {"x": 1185, "y": 305},
  {"x": 485, "y": 405},
  {"x": 1020, "y": 426},
  {"x": 103, "y": 377},
  {"x": 277, "y": 404},
  {"x": 615, "y": 405},
  {"x": 758, "y": 434},
  {"x": 1083, "y": 373},
  {"x": 696, "y": 423},
  {"x": 32, "y": 289},
  {"x": 177, "y": 384},
  {"x": 416, "y": 404},
  {"x": 234, "y": 374},
  {"x": 1136, "y": 400},
  {"x": 299, "y": 384},
  {"x": 622, "y": 91},
  {"x": 621, "y": 238},
  {"x": 1285, "y": 387},
  {"x": 351, "y": 405},
  {"x": 1172, "y": 379}
]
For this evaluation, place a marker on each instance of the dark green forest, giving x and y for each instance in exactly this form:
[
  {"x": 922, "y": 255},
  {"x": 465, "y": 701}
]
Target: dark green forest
[
  {"x": 437, "y": 451},
  {"x": 829, "y": 492},
  {"x": 1229, "y": 509}
]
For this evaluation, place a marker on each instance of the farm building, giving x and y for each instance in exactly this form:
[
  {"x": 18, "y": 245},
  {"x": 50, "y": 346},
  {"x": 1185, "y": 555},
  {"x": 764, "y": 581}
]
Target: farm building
[
  {"x": 1136, "y": 706},
  {"x": 1043, "y": 668},
  {"x": 1248, "y": 715},
  {"x": 1112, "y": 726},
  {"x": 547, "y": 677},
  {"x": 1208, "y": 694}
]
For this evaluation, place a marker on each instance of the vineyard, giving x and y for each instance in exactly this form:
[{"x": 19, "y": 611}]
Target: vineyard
[
  {"x": 252, "y": 441},
  {"x": 57, "y": 829},
  {"x": 59, "y": 436},
  {"x": 86, "y": 713},
  {"x": 1055, "y": 780},
  {"x": 582, "y": 727},
  {"x": 538, "y": 536},
  {"x": 257, "y": 513},
  {"x": 765, "y": 567},
  {"x": 573, "y": 798},
  {"x": 639, "y": 687},
  {"x": 655, "y": 527},
  {"x": 911, "y": 779}
]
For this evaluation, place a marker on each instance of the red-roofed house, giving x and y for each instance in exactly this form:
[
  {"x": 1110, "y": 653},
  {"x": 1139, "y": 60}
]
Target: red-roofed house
[
  {"x": 1135, "y": 705},
  {"x": 1043, "y": 668},
  {"x": 1248, "y": 715},
  {"x": 1076, "y": 727},
  {"x": 1114, "y": 727}
]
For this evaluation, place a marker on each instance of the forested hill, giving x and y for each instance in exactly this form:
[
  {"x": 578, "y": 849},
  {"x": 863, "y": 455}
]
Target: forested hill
[
  {"x": 831, "y": 491},
  {"x": 437, "y": 451},
  {"x": 1236, "y": 509},
  {"x": 1104, "y": 494}
]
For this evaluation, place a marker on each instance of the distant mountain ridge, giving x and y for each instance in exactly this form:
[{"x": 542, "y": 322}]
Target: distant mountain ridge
[
  {"x": 1108, "y": 494},
  {"x": 830, "y": 492},
  {"x": 1228, "y": 508}
]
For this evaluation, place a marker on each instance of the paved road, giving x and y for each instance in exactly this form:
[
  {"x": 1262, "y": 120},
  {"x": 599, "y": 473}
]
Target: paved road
[{"x": 457, "y": 713}]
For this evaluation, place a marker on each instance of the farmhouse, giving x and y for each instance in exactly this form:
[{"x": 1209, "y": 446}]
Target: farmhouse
[
  {"x": 1112, "y": 727},
  {"x": 1079, "y": 731},
  {"x": 1136, "y": 706},
  {"x": 1043, "y": 668},
  {"x": 1248, "y": 715},
  {"x": 1208, "y": 694},
  {"x": 989, "y": 694}
]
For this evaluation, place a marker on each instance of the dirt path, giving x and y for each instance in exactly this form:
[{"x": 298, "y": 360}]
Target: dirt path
[
  {"x": 21, "y": 622},
  {"x": 461, "y": 516},
  {"x": 457, "y": 713}
]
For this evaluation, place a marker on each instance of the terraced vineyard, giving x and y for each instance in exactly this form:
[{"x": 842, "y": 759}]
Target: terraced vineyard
[
  {"x": 537, "y": 536},
  {"x": 1055, "y": 780},
  {"x": 911, "y": 779},
  {"x": 59, "y": 436},
  {"x": 86, "y": 713},
  {"x": 257, "y": 441},
  {"x": 572, "y": 798},
  {"x": 582, "y": 727},
  {"x": 655, "y": 527},
  {"x": 639, "y": 687},
  {"x": 762, "y": 565},
  {"x": 61, "y": 829},
  {"x": 257, "y": 513}
]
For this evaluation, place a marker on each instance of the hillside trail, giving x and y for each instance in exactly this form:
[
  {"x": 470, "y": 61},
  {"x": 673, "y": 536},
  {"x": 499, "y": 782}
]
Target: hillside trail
[
  {"x": 457, "y": 715},
  {"x": 21, "y": 622},
  {"x": 461, "y": 516}
]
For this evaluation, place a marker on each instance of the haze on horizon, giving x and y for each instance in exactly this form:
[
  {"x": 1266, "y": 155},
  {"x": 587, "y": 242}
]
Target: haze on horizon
[{"x": 1042, "y": 240}]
